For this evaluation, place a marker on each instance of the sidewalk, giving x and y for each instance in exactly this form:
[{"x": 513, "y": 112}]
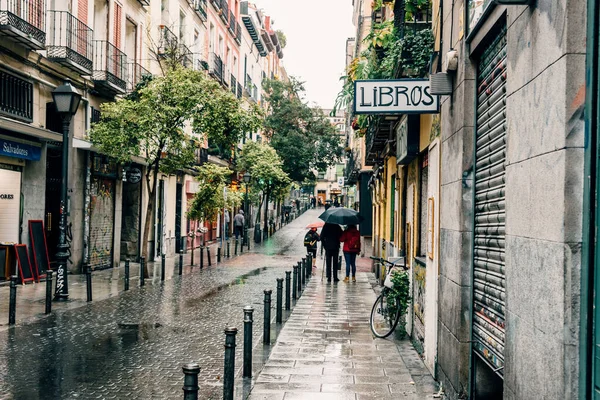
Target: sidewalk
[{"x": 326, "y": 351}]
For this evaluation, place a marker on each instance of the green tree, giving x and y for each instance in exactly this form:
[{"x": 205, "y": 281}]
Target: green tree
[
  {"x": 157, "y": 122},
  {"x": 302, "y": 136},
  {"x": 268, "y": 177},
  {"x": 209, "y": 199}
]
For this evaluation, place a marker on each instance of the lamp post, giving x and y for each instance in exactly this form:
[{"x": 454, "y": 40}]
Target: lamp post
[
  {"x": 66, "y": 100},
  {"x": 247, "y": 178}
]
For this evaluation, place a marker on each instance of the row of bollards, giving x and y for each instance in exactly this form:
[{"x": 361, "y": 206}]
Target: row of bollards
[{"x": 300, "y": 275}]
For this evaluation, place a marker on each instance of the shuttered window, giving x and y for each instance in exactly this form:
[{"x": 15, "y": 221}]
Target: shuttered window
[
  {"x": 490, "y": 161},
  {"x": 118, "y": 14}
]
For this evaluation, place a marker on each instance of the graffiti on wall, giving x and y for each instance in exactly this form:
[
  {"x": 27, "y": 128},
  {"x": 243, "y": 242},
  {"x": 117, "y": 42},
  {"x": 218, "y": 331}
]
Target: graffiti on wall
[
  {"x": 101, "y": 213},
  {"x": 419, "y": 272}
]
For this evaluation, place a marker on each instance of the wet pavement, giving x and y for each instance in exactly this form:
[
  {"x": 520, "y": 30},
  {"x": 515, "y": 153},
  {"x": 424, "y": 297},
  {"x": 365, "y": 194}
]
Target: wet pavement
[
  {"x": 133, "y": 344},
  {"x": 326, "y": 351}
]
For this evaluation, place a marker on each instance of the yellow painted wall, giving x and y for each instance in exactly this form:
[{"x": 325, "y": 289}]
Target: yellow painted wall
[
  {"x": 425, "y": 131},
  {"x": 390, "y": 170}
]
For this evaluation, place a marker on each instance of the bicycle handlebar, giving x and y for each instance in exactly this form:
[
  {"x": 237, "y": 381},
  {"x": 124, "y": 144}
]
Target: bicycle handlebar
[{"x": 394, "y": 264}]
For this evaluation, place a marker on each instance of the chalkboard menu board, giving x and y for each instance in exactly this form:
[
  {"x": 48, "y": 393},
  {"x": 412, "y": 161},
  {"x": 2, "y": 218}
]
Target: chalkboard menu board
[
  {"x": 25, "y": 271},
  {"x": 39, "y": 248}
]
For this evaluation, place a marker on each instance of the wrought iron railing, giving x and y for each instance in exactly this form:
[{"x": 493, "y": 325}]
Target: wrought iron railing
[
  {"x": 233, "y": 85},
  {"x": 201, "y": 156},
  {"x": 167, "y": 40},
  {"x": 239, "y": 90},
  {"x": 135, "y": 74},
  {"x": 232, "y": 22},
  {"x": 200, "y": 64},
  {"x": 216, "y": 67},
  {"x": 95, "y": 115},
  {"x": 187, "y": 57},
  {"x": 248, "y": 86},
  {"x": 69, "y": 40},
  {"x": 110, "y": 64},
  {"x": 26, "y": 16},
  {"x": 238, "y": 32},
  {"x": 224, "y": 11},
  {"x": 16, "y": 97},
  {"x": 200, "y": 8}
]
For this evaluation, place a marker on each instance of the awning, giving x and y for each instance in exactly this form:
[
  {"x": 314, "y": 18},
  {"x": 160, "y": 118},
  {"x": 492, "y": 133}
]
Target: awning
[
  {"x": 27, "y": 129},
  {"x": 85, "y": 145}
]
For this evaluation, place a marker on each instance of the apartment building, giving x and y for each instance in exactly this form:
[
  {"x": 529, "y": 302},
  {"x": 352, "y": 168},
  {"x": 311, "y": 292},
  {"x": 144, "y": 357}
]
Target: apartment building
[{"x": 105, "y": 47}]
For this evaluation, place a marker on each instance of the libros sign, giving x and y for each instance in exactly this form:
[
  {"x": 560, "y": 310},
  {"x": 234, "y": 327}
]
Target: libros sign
[{"x": 401, "y": 96}]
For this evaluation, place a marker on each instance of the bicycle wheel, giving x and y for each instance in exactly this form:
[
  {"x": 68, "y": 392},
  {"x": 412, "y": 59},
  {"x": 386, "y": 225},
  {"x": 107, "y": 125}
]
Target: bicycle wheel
[{"x": 384, "y": 315}]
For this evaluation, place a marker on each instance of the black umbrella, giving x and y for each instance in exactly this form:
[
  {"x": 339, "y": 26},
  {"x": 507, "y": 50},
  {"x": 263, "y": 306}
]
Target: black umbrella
[{"x": 341, "y": 216}]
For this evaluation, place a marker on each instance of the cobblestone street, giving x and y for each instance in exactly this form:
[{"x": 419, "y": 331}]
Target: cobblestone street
[{"x": 133, "y": 344}]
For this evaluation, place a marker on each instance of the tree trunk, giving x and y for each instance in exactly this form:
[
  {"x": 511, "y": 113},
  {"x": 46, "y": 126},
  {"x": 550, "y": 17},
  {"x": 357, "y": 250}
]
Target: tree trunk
[
  {"x": 266, "y": 221},
  {"x": 150, "y": 210}
]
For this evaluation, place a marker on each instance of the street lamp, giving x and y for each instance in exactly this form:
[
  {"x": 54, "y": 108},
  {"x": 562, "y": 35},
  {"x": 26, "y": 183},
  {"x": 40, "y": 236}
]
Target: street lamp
[
  {"x": 66, "y": 100},
  {"x": 247, "y": 178}
]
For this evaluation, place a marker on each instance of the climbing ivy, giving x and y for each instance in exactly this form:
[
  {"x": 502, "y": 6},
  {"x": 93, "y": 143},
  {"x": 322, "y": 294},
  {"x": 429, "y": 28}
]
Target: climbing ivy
[{"x": 400, "y": 293}]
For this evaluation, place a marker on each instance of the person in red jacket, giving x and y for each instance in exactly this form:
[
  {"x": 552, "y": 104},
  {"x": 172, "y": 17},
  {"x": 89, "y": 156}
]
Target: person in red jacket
[{"x": 351, "y": 239}]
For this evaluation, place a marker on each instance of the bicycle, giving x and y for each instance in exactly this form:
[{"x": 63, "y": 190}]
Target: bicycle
[{"x": 385, "y": 314}]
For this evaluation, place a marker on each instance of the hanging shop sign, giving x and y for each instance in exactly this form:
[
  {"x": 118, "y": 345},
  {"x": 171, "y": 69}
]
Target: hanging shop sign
[
  {"x": 19, "y": 150},
  {"x": 407, "y": 139},
  {"x": 400, "y": 96},
  {"x": 134, "y": 175}
]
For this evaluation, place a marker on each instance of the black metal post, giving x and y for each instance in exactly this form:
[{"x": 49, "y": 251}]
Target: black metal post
[
  {"x": 287, "y": 289},
  {"x": 190, "y": 381},
  {"x": 294, "y": 283},
  {"x": 63, "y": 248},
  {"x": 310, "y": 264},
  {"x": 248, "y": 320},
  {"x": 228, "y": 248},
  {"x": 208, "y": 256},
  {"x": 299, "y": 278},
  {"x": 218, "y": 255},
  {"x": 279, "y": 302},
  {"x": 142, "y": 270},
  {"x": 162, "y": 267},
  {"x": 127, "y": 274},
  {"x": 235, "y": 249},
  {"x": 229, "y": 373},
  {"x": 88, "y": 279},
  {"x": 242, "y": 246},
  {"x": 192, "y": 255},
  {"x": 49, "y": 291},
  {"x": 267, "y": 319},
  {"x": 304, "y": 272},
  {"x": 12, "y": 301},
  {"x": 180, "y": 262},
  {"x": 201, "y": 257}
]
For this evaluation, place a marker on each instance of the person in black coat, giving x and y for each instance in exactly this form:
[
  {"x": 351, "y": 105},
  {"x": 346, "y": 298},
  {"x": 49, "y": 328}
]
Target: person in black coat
[{"x": 330, "y": 239}]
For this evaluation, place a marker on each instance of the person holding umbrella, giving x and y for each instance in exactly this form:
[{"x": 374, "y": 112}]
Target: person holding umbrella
[{"x": 330, "y": 239}]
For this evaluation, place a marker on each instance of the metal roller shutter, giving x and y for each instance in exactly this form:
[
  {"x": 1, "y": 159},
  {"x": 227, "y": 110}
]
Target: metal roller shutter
[{"x": 490, "y": 156}]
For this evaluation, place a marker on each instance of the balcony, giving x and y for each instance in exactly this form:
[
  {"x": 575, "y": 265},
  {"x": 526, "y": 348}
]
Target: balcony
[
  {"x": 167, "y": 41},
  {"x": 186, "y": 56},
  {"x": 24, "y": 21},
  {"x": 135, "y": 73},
  {"x": 215, "y": 67},
  {"x": 70, "y": 42},
  {"x": 200, "y": 64},
  {"x": 201, "y": 156},
  {"x": 352, "y": 168},
  {"x": 233, "y": 85},
  {"x": 200, "y": 7},
  {"x": 239, "y": 91},
  {"x": 224, "y": 11},
  {"x": 238, "y": 33},
  {"x": 110, "y": 68},
  {"x": 253, "y": 28},
  {"x": 232, "y": 22}
]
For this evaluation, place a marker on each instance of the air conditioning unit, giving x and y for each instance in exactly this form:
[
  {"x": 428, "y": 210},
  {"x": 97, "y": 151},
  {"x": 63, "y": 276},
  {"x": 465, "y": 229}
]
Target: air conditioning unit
[{"x": 440, "y": 83}]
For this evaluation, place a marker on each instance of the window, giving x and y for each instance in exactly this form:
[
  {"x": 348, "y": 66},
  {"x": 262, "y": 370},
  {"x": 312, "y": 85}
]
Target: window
[
  {"x": 181, "y": 26},
  {"x": 131, "y": 40},
  {"x": 117, "y": 20}
]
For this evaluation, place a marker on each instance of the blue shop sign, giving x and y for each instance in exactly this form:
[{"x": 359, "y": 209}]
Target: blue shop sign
[{"x": 19, "y": 150}]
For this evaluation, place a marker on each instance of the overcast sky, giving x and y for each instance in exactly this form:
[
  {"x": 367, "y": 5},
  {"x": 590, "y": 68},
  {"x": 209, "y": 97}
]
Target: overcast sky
[{"x": 316, "y": 32}]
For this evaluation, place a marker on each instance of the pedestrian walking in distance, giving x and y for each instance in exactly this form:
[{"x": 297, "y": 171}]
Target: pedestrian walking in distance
[
  {"x": 351, "y": 239},
  {"x": 310, "y": 242},
  {"x": 330, "y": 238},
  {"x": 238, "y": 224},
  {"x": 226, "y": 221}
]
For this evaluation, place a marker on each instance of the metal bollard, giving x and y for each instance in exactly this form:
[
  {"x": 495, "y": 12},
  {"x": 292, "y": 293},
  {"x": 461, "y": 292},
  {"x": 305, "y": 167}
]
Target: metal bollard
[
  {"x": 229, "y": 373},
  {"x": 180, "y": 262},
  {"x": 12, "y": 302},
  {"x": 190, "y": 381},
  {"x": 304, "y": 272},
  {"x": 126, "y": 277},
  {"x": 248, "y": 320},
  {"x": 228, "y": 248},
  {"x": 310, "y": 265},
  {"x": 48, "y": 291},
  {"x": 299, "y": 278},
  {"x": 208, "y": 256},
  {"x": 192, "y": 255},
  {"x": 279, "y": 301},
  {"x": 142, "y": 270},
  {"x": 294, "y": 283},
  {"x": 287, "y": 289},
  {"x": 162, "y": 267},
  {"x": 267, "y": 319},
  {"x": 88, "y": 279},
  {"x": 201, "y": 257},
  {"x": 242, "y": 246},
  {"x": 235, "y": 249},
  {"x": 218, "y": 255}
]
